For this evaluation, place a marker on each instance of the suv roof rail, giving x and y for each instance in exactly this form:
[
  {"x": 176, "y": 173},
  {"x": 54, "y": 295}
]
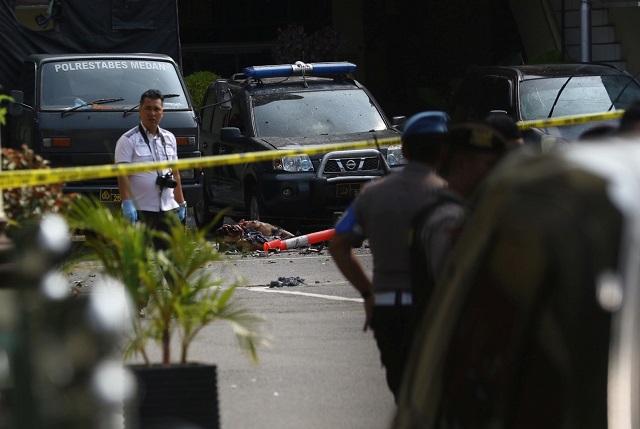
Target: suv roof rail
[{"x": 238, "y": 76}]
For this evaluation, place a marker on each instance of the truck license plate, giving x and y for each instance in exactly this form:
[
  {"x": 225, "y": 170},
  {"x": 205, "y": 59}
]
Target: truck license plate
[
  {"x": 348, "y": 189},
  {"x": 110, "y": 195}
]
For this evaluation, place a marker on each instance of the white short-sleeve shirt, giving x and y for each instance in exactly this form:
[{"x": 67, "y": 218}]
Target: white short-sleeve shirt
[{"x": 131, "y": 147}]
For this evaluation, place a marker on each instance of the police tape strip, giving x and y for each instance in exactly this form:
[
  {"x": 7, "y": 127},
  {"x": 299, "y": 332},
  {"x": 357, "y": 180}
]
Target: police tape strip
[
  {"x": 569, "y": 120},
  {"x": 18, "y": 178}
]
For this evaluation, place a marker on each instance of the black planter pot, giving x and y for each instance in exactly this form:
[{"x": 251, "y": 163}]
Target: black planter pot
[{"x": 175, "y": 396}]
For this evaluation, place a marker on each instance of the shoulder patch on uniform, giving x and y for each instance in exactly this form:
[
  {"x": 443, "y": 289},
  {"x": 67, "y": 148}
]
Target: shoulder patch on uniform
[
  {"x": 347, "y": 221},
  {"x": 131, "y": 132}
]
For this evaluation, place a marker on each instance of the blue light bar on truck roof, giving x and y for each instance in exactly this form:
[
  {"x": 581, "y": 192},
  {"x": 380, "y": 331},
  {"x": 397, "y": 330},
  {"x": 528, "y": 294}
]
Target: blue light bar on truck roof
[{"x": 299, "y": 69}]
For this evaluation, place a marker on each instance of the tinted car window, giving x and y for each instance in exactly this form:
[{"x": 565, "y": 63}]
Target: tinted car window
[
  {"x": 582, "y": 95},
  {"x": 235, "y": 116},
  {"x": 28, "y": 79},
  {"x": 207, "y": 113},
  {"x": 332, "y": 112}
]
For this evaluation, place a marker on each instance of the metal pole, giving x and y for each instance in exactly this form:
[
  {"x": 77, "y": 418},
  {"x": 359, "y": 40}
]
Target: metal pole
[{"x": 585, "y": 31}]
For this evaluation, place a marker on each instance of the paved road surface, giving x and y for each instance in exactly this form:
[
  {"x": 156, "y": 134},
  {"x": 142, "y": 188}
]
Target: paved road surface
[{"x": 320, "y": 370}]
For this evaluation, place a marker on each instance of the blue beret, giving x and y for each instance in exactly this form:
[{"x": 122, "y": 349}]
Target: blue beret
[{"x": 432, "y": 122}]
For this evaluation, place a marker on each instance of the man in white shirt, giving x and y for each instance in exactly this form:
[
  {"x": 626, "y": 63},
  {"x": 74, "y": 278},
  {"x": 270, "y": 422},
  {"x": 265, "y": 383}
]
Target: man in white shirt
[{"x": 150, "y": 196}]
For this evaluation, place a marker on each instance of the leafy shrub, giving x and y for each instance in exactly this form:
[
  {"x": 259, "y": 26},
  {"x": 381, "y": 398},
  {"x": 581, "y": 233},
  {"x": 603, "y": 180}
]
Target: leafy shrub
[
  {"x": 180, "y": 297},
  {"x": 30, "y": 202},
  {"x": 197, "y": 84}
]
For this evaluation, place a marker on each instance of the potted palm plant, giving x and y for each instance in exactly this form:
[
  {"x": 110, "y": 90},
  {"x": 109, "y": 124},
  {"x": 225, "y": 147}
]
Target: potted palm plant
[{"x": 181, "y": 298}]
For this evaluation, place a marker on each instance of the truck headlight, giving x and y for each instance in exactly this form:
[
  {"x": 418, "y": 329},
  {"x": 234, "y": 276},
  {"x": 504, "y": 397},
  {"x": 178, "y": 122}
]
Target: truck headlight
[
  {"x": 293, "y": 163},
  {"x": 394, "y": 155},
  {"x": 187, "y": 174}
]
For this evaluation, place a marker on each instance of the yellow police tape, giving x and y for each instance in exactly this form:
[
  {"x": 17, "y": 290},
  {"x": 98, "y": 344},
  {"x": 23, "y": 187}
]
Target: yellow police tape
[
  {"x": 17, "y": 178},
  {"x": 569, "y": 120}
]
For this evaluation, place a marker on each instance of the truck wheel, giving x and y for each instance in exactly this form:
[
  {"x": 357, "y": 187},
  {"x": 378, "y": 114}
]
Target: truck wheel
[
  {"x": 202, "y": 215},
  {"x": 255, "y": 206}
]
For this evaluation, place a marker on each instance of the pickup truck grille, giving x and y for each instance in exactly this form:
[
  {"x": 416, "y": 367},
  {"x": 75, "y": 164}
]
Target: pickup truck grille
[
  {"x": 362, "y": 163},
  {"x": 340, "y": 165}
]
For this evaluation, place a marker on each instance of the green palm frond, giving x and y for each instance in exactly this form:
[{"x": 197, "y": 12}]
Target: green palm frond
[
  {"x": 216, "y": 304},
  {"x": 180, "y": 290}
]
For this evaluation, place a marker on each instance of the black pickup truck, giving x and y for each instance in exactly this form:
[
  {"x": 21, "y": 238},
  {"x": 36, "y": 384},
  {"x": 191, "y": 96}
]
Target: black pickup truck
[
  {"x": 277, "y": 107},
  {"x": 532, "y": 92}
]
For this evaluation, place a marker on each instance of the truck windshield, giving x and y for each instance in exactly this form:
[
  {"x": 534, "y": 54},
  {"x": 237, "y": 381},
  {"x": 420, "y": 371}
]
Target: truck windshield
[
  {"x": 582, "y": 95},
  {"x": 306, "y": 114},
  {"x": 67, "y": 84}
]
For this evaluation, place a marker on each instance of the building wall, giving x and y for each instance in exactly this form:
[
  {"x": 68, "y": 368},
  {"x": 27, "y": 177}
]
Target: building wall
[
  {"x": 627, "y": 33},
  {"x": 538, "y": 28}
]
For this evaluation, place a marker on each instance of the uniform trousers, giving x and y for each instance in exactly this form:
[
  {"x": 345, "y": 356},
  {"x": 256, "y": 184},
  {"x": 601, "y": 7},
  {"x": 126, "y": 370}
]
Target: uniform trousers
[
  {"x": 393, "y": 331},
  {"x": 157, "y": 221}
]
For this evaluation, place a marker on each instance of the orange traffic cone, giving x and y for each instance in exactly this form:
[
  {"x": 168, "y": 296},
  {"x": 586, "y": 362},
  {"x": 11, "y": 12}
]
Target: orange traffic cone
[{"x": 303, "y": 240}]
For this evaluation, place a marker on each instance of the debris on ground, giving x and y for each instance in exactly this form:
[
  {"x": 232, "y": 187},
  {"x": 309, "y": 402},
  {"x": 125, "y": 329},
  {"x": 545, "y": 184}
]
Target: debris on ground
[
  {"x": 286, "y": 281},
  {"x": 248, "y": 235},
  {"x": 317, "y": 249}
]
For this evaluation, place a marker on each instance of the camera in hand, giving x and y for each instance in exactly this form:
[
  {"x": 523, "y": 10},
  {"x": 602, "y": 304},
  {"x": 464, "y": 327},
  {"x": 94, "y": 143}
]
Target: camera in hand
[{"x": 166, "y": 181}]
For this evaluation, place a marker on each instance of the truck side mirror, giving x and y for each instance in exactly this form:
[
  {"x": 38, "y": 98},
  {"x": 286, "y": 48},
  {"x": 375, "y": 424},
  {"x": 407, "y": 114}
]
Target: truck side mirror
[
  {"x": 398, "y": 122},
  {"x": 230, "y": 134},
  {"x": 15, "y": 107},
  {"x": 223, "y": 95}
]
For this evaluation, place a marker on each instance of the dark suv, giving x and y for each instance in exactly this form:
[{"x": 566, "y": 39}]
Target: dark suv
[
  {"x": 270, "y": 108},
  {"x": 533, "y": 92}
]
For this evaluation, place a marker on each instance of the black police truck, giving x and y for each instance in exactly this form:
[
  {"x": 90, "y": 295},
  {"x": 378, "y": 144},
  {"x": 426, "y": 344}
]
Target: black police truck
[
  {"x": 72, "y": 108},
  {"x": 279, "y": 107}
]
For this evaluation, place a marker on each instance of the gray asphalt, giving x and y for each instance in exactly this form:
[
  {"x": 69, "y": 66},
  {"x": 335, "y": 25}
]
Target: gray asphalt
[{"x": 320, "y": 370}]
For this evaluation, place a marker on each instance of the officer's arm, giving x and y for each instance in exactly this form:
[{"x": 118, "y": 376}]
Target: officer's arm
[
  {"x": 348, "y": 263},
  {"x": 124, "y": 155},
  {"x": 123, "y": 186},
  {"x": 443, "y": 233},
  {"x": 177, "y": 191}
]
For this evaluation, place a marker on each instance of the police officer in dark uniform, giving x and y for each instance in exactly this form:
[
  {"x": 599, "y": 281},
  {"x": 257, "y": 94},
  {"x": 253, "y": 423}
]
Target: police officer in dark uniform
[
  {"x": 470, "y": 152},
  {"x": 382, "y": 213}
]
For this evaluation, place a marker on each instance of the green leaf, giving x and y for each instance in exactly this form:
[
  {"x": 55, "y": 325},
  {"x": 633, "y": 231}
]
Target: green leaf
[{"x": 181, "y": 291}]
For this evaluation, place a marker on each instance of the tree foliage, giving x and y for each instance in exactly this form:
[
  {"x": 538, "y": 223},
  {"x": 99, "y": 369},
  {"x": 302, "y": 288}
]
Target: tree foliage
[{"x": 197, "y": 84}]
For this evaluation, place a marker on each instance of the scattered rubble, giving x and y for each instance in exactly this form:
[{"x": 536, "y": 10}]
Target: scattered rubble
[
  {"x": 248, "y": 235},
  {"x": 286, "y": 281}
]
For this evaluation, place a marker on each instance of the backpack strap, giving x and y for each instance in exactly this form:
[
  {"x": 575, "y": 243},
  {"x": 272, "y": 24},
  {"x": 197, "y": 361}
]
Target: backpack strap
[{"x": 422, "y": 281}]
